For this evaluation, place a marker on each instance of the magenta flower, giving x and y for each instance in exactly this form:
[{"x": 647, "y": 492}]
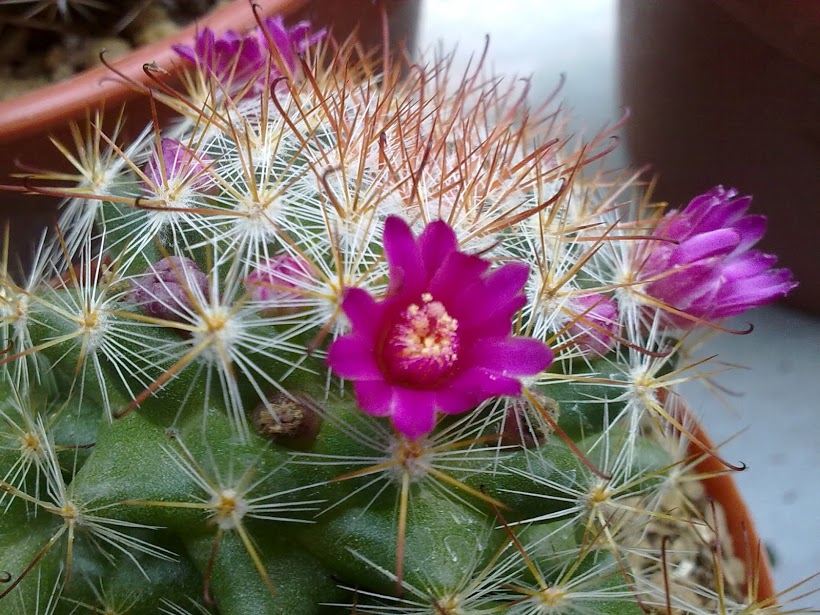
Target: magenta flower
[
  {"x": 595, "y": 323},
  {"x": 711, "y": 272},
  {"x": 441, "y": 340},
  {"x": 235, "y": 59},
  {"x": 229, "y": 56},
  {"x": 180, "y": 164},
  {"x": 289, "y": 43},
  {"x": 270, "y": 281},
  {"x": 166, "y": 288}
]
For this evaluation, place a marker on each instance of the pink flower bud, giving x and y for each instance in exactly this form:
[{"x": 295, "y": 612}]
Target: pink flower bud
[
  {"x": 180, "y": 164},
  {"x": 596, "y": 321},
  {"x": 272, "y": 281},
  {"x": 165, "y": 289}
]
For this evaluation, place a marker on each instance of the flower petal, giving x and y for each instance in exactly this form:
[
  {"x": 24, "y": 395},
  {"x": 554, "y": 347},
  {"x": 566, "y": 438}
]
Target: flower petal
[
  {"x": 353, "y": 357},
  {"x": 414, "y": 412},
  {"x": 751, "y": 229},
  {"x": 746, "y": 293},
  {"x": 406, "y": 267},
  {"x": 683, "y": 288},
  {"x": 364, "y": 313},
  {"x": 726, "y": 213},
  {"x": 489, "y": 306},
  {"x": 748, "y": 264},
  {"x": 436, "y": 242},
  {"x": 706, "y": 245},
  {"x": 472, "y": 387},
  {"x": 375, "y": 397},
  {"x": 454, "y": 275},
  {"x": 516, "y": 356}
]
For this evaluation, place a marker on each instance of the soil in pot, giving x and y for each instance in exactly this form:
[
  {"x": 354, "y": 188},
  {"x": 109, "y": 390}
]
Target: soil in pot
[
  {"x": 46, "y": 42},
  {"x": 698, "y": 547}
]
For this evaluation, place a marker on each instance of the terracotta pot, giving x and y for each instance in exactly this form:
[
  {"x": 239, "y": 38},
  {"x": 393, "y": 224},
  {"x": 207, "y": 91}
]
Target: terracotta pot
[
  {"x": 727, "y": 92},
  {"x": 745, "y": 540}
]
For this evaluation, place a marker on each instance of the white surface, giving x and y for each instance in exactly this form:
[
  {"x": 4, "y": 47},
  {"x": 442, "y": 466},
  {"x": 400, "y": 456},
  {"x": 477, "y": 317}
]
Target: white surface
[{"x": 781, "y": 401}]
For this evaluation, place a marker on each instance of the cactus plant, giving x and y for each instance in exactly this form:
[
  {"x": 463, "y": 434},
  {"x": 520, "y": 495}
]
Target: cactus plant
[{"x": 346, "y": 338}]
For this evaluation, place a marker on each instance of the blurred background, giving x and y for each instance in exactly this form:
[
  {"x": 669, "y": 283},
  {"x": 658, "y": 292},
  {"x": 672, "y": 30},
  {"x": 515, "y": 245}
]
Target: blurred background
[{"x": 715, "y": 97}]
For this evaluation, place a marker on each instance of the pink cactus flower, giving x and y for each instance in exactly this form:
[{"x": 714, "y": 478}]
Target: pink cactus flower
[
  {"x": 289, "y": 42},
  {"x": 235, "y": 58},
  {"x": 270, "y": 281},
  {"x": 441, "y": 339},
  {"x": 710, "y": 272},
  {"x": 596, "y": 322},
  {"x": 229, "y": 55}
]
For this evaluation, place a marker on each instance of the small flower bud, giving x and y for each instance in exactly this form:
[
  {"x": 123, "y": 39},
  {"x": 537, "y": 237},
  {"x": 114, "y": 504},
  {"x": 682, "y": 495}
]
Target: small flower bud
[
  {"x": 596, "y": 322},
  {"x": 165, "y": 289},
  {"x": 272, "y": 280},
  {"x": 523, "y": 424},
  {"x": 180, "y": 165}
]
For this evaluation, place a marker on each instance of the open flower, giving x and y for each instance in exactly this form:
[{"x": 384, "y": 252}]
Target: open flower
[
  {"x": 708, "y": 270},
  {"x": 237, "y": 58},
  {"x": 441, "y": 340}
]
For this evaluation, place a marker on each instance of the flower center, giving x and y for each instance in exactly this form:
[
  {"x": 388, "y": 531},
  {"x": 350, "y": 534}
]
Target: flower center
[{"x": 422, "y": 346}]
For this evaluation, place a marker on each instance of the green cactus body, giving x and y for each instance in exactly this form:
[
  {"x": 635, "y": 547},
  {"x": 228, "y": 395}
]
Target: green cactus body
[{"x": 177, "y": 440}]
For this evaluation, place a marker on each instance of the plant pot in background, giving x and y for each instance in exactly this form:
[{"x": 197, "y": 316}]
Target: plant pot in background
[{"x": 728, "y": 92}]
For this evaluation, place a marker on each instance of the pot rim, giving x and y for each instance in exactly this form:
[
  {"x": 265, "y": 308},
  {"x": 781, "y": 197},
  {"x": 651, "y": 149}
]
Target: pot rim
[
  {"x": 45, "y": 108},
  {"x": 721, "y": 487}
]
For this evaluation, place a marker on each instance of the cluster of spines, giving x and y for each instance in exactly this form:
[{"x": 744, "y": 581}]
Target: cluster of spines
[{"x": 513, "y": 508}]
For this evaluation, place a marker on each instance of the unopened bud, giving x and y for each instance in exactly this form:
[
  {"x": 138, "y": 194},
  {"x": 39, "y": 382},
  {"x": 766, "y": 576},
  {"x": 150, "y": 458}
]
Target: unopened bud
[
  {"x": 278, "y": 280},
  {"x": 180, "y": 165},
  {"x": 166, "y": 288},
  {"x": 525, "y": 424},
  {"x": 596, "y": 322}
]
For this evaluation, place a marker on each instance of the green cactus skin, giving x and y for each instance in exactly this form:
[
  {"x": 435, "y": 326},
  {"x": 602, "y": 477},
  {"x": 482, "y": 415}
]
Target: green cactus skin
[{"x": 133, "y": 476}]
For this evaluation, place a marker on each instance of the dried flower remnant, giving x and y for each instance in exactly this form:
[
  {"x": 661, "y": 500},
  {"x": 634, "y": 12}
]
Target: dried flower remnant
[
  {"x": 708, "y": 271},
  {"x": 441, "y": 340}
]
